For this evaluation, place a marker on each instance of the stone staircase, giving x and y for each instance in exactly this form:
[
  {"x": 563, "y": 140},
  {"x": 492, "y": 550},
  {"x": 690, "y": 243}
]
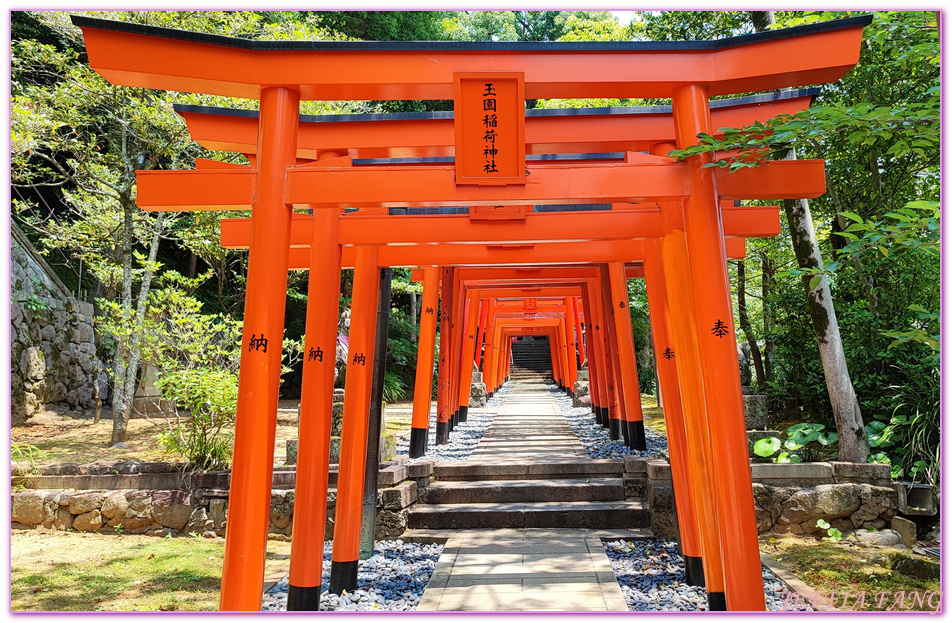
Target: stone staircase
[
  {"x": 558, "y": 495},
  {"x": 531, "y": 359},
  {"x": 529, "y": 471}
]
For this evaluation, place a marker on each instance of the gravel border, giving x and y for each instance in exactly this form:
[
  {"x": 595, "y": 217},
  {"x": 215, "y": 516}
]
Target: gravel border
[
  {"x": 464, "y": 438},
  {"x": 651, "y": 576},
  {"x": 595, "y": 437},
  {"x": 392, "y": 579}
]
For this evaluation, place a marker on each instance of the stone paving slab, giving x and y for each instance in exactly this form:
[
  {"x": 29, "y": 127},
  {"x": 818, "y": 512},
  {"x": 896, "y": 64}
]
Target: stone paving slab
[
  {"x": 524, "y": 570},
  {"x": 516, "y": 568}
]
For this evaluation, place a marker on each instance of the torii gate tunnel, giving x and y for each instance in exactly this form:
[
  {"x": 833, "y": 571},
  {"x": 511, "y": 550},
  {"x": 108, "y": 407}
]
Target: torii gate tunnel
[{"x": 672, "y": 222}]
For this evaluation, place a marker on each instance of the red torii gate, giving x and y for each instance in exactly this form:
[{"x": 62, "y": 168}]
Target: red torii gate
[
  {"x": 420, "y": 434},
  {"x": 281, "y": 73}
]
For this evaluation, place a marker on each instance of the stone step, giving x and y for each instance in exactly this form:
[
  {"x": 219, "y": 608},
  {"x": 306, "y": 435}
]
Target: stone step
[
  {"x": 526, "y": 490},
  {"x": 596, "y": 468},
  {"x": 595, "y": 515}
]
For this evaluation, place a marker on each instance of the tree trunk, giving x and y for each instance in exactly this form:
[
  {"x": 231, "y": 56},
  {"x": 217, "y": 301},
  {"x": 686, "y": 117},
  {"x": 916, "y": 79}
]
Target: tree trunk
[
  {"x": 120, "y": 418},
  {"x": 767, "y": 281},
  {"x": 121, "y": 365},
  {"x": 746, "y": 326},
  {"x": 762, "y": 20},
  {"x": 846, "y": 411},
  {"x": 192, "y": 265},
  {"x": 413, "y": 316},
  {"x": 849, "y": 419}
]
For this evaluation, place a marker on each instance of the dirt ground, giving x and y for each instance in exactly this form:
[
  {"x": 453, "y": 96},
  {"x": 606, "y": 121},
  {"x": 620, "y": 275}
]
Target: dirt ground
[{"x": 64, "y": 436}]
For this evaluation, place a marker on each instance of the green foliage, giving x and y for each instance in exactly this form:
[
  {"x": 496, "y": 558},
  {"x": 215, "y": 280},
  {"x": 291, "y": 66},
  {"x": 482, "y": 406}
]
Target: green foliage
[
  {"x": 394, "y": 389},
  {"x": 401, "y": 355},
  {"x": 688, "y": 25},
  {"x": 834, "y": 534},
  {"x": 909, "y": 441},
  {"x": 385, "y": 25},
  {"x": 505, "y": 25},
  {"x": 878, "y": 225},
  {"x": 24, "y": 457},
  {"x": 35, "y": 304},
  {"x": 641, "y": 334},
  {"x": 211, "y": 396},
  {"x": 797, "y": 446}
]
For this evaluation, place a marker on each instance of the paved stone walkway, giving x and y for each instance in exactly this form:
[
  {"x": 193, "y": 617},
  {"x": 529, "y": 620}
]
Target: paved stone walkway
[
  {"x": 537, "y": 569},
  {"x": 529, "y": 428}
]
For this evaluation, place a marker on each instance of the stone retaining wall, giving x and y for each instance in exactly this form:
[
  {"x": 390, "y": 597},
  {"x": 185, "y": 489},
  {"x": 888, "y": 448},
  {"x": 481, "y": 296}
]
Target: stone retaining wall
[
  {"x": 52, "y": 342},
  {"x": 788, "y": 498},
  {"x": 201, "y": 510}
]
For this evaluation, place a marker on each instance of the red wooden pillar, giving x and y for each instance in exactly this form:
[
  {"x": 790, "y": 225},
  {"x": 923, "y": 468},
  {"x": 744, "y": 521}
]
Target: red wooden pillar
[
  {"x": 626, "y": 354},
  {"x": 616, "y": 401},
  {"x": 494, "y": 361},
  {"x": 717, "y": 344},
  {"x": 466, "y": 361},
  {"x": 586, "y": 347},
  {"x": 457, "y": 322},
  {"x": 314, "y": 428},
  {"x": 684, "y": 333},
  {"x": 481, "y": 332},
  {"x": 579, "y": 339},
  {"x": 571, "y": 342},
  {"x": 422, "y": 389},
  {"x": 686, "y": 497},
  {"x": 562, "y": 338},
  {"x": 442, "y": 379},
  {"x": 488, "y": 348},
  {"x": 249, "y": 499},
  {"x": 353, "y": 451},
  {"x": 555, "y": 360},
  {"x": 596, "y": 360},
  {"x": 506, "y": 360}
]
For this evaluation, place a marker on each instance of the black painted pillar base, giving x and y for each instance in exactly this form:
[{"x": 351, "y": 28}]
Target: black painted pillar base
[
  {"x": 606, "y": 418},
  {"x": 442, "y": 433},
  {"x": 489, "y": 395},
  {"x": 636, "y": 435},
  {"x": 452, "y": 421},
  {"x": 463, "y": 413},
  {"x": 598, "y": 414},
  {"x": 614, "y": 429},
  {"x": 693, "y": 571},
  {"x": 418, "y": 442},
  {"x": 717, "y": 602},
  {"x": 623, "y": 426},
  {"x": 304, "y": 598},
  {"x": 343, "y": 577}
]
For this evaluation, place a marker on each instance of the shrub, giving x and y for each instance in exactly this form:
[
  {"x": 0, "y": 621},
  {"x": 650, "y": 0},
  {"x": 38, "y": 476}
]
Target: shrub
[{"x": 211, "y": 396}]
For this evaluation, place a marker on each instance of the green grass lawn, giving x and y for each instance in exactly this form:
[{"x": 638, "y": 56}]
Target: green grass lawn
[{"x": 83, "y": 572}]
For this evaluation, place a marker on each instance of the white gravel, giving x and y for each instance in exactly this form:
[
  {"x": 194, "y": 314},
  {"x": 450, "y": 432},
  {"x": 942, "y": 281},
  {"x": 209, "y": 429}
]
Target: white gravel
[
  {"x": 595, "y": 437},
  {"x": 651, "y": 576},
  {"x": 462, "y": 439},
  {"x": 392, "y": 579}
]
